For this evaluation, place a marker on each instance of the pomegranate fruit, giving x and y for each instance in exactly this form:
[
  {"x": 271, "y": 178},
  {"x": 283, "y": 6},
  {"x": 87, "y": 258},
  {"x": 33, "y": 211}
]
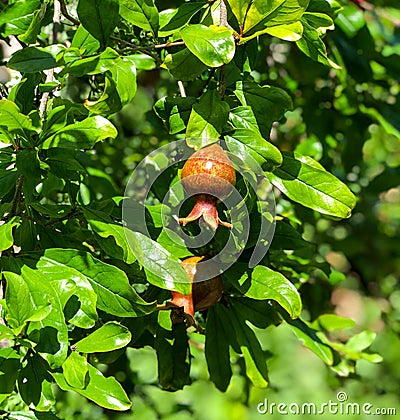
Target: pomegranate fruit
[
  {"x": 208, "y": 176},
  {"x": 204, "y": 293}
]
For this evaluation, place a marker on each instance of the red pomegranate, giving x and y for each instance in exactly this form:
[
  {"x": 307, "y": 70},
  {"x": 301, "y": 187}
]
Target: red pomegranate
[
  {"x": 204, "y": 294},
  {"x": 208, "y": 176}
]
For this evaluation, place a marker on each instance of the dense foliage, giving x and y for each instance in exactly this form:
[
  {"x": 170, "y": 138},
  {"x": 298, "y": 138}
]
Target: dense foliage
[{"x": 303, "y": 97}]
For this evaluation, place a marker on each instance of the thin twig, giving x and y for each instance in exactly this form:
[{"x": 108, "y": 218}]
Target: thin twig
[
  {"x": 181, "y": 89},
  {"x": 65, "y": 13},
  {"x": 144, "y": 50},
  {"x": 169, "y": 44},
  {"x": 53, "y": 39},
  {"x": 223, "y": 21}
]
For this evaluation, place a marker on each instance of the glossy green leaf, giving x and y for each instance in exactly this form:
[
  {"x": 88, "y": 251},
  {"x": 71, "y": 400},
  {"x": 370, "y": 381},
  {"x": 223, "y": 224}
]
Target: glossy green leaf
[
  {"x": 108, "y": 337},
  {"x": 82, "y": 135},
  {"x": 184, "y": 65},
  {"x": 16, "y": 18},
  {"x": 243, "y": 117},
  {"x": 33, "y": 30},
  {"x": 332, "y": 322},
  {"x": 248, "y": 141},
  {"x": 6, "y": 233},
  {"x": 213, "y": 45},
  {"x": 269, "y": 284},
  {"x": 268, "y": 103},
  {"x": 114, "y": 293},
  {"x": 96, "y": 64},
  {"x": 142, "y": 13},
  {"x": 75, "y": 370},
  {"x": 84, "y": 41},
  {"x": 258, "y": 15},
  {"x": 174, "y": 112},
  {"x": 312, "y": 45},
  {"x": 207, "y": 120},
  {"x": 25, "y": 294},
  {"x": 161, "y": 268},
  {"x": 310, "y": 339},
  {"x": 99, "y": 17},
  {"x": 13, "y": 121},
  {"x": 217, "y": 348},
  {"x": 106, "y": 392},
  {"x": 32, "y": 60},
  {"x": 5, "y": 333},
  {"x": 289, "y": 32},
  {"x": 305, "y": 181},
  {"x": 173, "y": 19},
  {"x": 119, "y": 90}
]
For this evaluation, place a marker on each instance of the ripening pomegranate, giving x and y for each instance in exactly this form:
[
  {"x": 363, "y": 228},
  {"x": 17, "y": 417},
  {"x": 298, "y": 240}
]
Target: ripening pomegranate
[
  {"x": 204, "y": 294},
  {"x": 208, "y": 176}
]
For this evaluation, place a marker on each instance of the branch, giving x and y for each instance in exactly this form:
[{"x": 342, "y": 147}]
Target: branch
[
  {"x": 52, "y": 39},
  {"x": 65, "y": 13},
  {"x": 169, "y": 44},
  {"x": 144, "y": 50},
  {"x": 223, "y": 21},
  {"x": 181, "y": 89},
  {"x": 17, "y": 197}
]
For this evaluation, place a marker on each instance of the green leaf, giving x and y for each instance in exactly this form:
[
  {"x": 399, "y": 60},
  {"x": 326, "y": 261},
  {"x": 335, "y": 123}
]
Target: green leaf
[
  {"x": 84, "y": 41},
  {"x": 310, "y": 339},
  {"x": 106, "y": 392},
  {"x": 213, "y": 45},
  {"x": 173, "y": 359},
  {"x": 254, "y": 357},
  {"x": 119, "y": 90},
  {"x": 288, "y": 32},
  {"x": 96, "y": 64},
  {"x": 361, "y": 341},
  {"x": 269, "y": 284},
  {"x": 110, "y": 336},
  {"x": 32, "y": 60},
  {"x": 268, "y": 103},
  {"x": 16, "y": 18},
  {"x": 5, "y": 333},
  {"x": 184, "y": 65},
  {"x": 82, "y": 135},
  {"x": 246, "y": 141},
  {"x": 173, "y": 19},
  {"x": 161, "y": 268},
  {"x": 13, "y": 121},
  {"x": 312, "y": 45},
  {"x": 174, "y": 112},
  {"x": 31, "y": 378},
  {"x": 217, "y": 347},
  {"x": 8, "y": 179},
  {"x": 332, "y": 322},
  {"x": 255, "y": 17},
  {"x": 207, "y": 120},
  {"x": 9, "y": 369},
  {"x": 305, "y": 181},
  {"x": 142, "y": 13},
  {"x": 35, "y": 25},
  {"x": 6, "y": 233},
  {"x": 75, "y": 370},
  {"x": 114, "y": 293},
  {"x": 99, "y": 17},
  {"x": 29, "y": 292}
]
